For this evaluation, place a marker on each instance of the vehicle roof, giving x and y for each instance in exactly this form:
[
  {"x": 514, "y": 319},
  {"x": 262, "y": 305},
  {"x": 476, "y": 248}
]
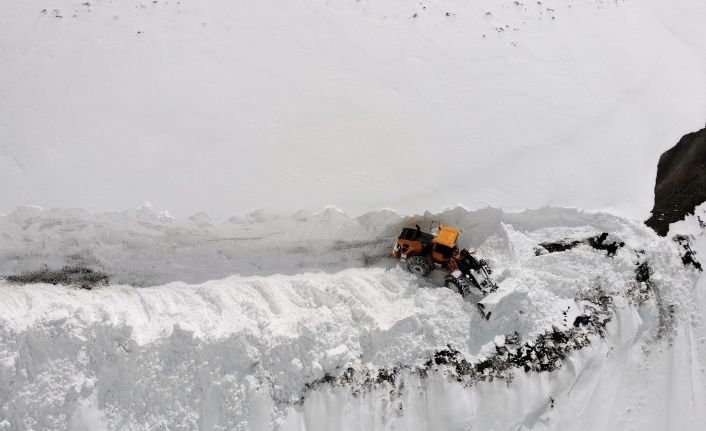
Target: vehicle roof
[
  {"x": 447, "y": 236},
  {"x": 412, "y": 234}
]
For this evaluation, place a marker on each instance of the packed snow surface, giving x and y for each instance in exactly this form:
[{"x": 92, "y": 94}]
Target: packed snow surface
[
  {"x": 251, "y": 352},
  {"x": 229, "y": 106}
]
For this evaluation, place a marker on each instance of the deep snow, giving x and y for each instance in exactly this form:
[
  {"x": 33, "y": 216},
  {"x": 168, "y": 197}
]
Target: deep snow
[
  {"x": 238, "y": 353},
  {"x": 229, "y": 106},
  {"x": 252, "y": 323}
]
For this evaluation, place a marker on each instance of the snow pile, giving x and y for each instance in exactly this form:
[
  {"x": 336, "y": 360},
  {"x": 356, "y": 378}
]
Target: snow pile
[{"x": 275, "y": 351}]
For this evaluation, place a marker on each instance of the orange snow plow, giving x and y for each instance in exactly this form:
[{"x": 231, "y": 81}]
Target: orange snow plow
[{"x": 423, "y": 252}]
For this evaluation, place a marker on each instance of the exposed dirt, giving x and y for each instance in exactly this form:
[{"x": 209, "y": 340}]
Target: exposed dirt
[{"x": 80, "y": 276}]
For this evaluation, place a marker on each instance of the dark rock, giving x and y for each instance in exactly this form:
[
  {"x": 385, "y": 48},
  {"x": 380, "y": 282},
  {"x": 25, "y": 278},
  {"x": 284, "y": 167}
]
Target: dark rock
[
  {"x": 557, "y": 246},
  {"x": 643, "y": 272},
  {"x": 599, "y": 243},
  {"x": 689, "y": 256},
  {"x": 681, "y": 182}
]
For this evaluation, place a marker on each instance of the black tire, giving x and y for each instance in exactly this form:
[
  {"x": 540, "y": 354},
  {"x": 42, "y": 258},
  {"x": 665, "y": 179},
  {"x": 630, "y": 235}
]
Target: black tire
[
  {"x": 456, "y": 285},
  {"x": 419, "y": 265}
]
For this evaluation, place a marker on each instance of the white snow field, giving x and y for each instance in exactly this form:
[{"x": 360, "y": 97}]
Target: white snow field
[
  {"x": 227, "y": 106},
  {"x": 302, "y": 321},
  {"x": 270, "y": 351}
]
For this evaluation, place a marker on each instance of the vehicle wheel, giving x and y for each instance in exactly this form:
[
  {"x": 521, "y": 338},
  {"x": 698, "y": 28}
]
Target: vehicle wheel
[
  {"x": 419, "y": 265},
  {"x": 456, "y": 285}
]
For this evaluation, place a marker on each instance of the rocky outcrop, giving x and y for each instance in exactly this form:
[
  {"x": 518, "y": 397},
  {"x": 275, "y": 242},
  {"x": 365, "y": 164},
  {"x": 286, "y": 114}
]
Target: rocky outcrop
[{"x": 681, "y": 182}]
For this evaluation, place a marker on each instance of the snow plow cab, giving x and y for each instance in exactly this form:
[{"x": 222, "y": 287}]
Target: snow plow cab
[{"x": 422, "y": 252}]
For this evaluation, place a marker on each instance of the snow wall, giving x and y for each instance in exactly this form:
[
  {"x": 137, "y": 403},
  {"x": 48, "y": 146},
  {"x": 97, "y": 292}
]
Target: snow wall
[{"x": 253, "y": 352}]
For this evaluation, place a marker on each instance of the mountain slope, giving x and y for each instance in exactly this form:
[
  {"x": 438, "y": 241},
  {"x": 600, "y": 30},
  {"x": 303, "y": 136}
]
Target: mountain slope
[{"x": 359, "y": 104}]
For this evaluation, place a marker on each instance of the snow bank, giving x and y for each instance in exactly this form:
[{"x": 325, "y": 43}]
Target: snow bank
[{"x": 244, "y": 352}]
